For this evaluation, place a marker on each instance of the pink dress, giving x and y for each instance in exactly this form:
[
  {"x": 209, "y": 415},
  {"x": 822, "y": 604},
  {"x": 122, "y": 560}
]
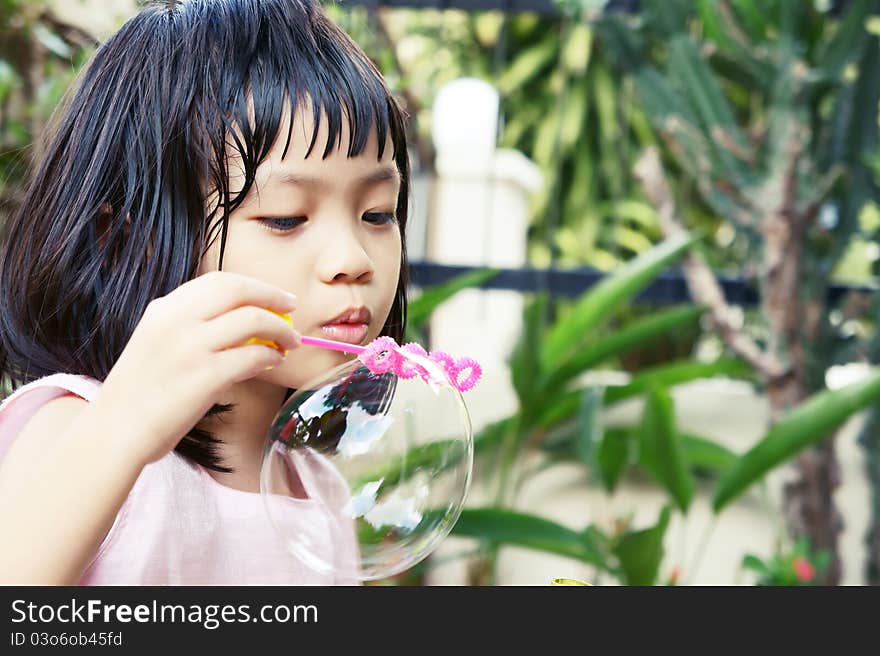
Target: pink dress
[{"x": 179, "y": 526}]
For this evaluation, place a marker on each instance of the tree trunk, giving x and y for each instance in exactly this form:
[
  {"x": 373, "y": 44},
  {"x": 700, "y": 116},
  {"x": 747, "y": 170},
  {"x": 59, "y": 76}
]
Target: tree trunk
[
  {"x": 809, "y": 504},
  {"x": 808, "y": 499}
]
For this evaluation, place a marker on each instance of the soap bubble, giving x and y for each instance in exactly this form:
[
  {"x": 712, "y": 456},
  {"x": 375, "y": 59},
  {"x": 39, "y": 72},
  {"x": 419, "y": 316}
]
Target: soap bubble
[{"x": 384, "y": 463}]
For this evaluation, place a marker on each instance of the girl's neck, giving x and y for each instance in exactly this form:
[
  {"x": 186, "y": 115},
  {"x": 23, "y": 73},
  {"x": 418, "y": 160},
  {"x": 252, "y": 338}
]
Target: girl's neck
[{"x": 243, "y": 431}]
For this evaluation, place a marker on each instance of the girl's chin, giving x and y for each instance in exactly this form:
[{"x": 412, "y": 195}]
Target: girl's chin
[{"x": 297, "y": 373}]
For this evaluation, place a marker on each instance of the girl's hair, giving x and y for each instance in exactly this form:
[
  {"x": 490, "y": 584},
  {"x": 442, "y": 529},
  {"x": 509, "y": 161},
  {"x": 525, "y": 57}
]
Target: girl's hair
[{"x": 115, "y": 215}]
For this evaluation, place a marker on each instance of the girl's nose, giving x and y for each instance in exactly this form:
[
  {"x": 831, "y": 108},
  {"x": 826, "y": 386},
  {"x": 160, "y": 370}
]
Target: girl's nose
[{"x": 345, "y": 259}]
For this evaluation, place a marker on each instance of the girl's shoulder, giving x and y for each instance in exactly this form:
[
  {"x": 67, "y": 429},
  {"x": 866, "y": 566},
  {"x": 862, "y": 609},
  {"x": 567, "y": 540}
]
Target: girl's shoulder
[
  {"x": 85, "y": 387},
  {"x": 20, "y": 406}
]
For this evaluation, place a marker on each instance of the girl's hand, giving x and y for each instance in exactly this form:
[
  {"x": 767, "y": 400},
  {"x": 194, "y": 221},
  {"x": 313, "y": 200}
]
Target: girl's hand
[{"x": 188, "y": 348}]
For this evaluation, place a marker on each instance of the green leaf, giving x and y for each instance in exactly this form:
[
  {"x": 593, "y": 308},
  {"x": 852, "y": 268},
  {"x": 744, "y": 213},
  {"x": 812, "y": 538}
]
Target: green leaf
[
  {"x": 564, "y": 405},
  {"x": 528, "y": 66},
  {"x": 419, "y": 310},
  {"x": 667, "y": 17},
  {"x": 572, "y": 119},
  {"x": 728, "y": 37},
  {"x": 598, "y": 303},
  {"x": 623, "y": 46},
  {"x": 753, "y": 18},
  {"x": 620, "y": 341},
  {"x": 660, "y": 450},
  {"x": 755, "y": 564},
  {"x": 499, "y": 526},
  {"x": 524, "y": 366},
  {"x": 807, "y": 424},
  {"x": 705, "y": 455},
  {"x": 793, "y": 21},
  {"x": 858, "y": 132},
  {"x": 660, "y": 99},
  {"x": 676, "y": 373},
  {"x": 589, "y": 425},
  {"x": 612, "y": 456},
  {"x": 606, "y": 99},
  {"x": 847, "y": 43},
  {"x": 575, "y": 56},
  {"x": 8, "y": 79},
  {"x": 491, "y": 435},
  {"x": 640, "y": 552},
  {"x": 700, "y": 85}
]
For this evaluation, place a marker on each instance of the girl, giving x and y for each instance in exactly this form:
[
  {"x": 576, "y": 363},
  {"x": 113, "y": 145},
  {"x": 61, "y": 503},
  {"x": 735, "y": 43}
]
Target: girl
[{"x": 216, "y": 156}]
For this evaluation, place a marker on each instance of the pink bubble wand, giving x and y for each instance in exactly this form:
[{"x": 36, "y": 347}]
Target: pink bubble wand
[{"x": 384, "y": 354}]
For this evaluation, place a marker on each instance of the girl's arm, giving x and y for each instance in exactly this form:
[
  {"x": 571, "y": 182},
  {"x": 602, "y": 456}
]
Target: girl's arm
[
  {"x": 62, "y": 482},
  {"x": 73, "y": 464}
]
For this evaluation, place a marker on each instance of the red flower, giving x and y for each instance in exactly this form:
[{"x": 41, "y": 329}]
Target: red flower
[{"x": 803, "y": 569}]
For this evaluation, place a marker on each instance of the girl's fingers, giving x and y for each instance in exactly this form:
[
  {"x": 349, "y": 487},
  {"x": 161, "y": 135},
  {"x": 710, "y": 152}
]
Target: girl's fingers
[
  {"x": 214, "y": 294},
  {"x": 237, "y": 327},
  {"x": 240, "y": 364}
]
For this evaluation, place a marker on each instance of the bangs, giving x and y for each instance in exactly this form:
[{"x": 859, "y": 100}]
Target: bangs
[{"x": 292, "y": 61}]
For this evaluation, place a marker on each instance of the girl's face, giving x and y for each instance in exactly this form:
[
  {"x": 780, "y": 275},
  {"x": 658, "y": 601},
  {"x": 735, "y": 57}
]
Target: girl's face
[{"x": 324, "y": 229}]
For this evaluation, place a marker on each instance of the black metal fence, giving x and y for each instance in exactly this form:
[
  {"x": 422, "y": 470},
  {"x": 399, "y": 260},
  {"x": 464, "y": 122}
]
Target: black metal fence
[{"x": 667, "y": 289}]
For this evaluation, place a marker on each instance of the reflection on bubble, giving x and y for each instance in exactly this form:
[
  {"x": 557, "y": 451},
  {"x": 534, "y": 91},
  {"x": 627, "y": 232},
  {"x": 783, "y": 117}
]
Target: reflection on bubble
[{"x": 385, "y": 464}]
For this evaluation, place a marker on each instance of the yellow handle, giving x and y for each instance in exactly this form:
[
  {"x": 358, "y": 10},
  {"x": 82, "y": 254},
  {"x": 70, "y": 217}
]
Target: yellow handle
[
  {"x": 569, "y": 582},
  {"x": 257, "y": 340}
]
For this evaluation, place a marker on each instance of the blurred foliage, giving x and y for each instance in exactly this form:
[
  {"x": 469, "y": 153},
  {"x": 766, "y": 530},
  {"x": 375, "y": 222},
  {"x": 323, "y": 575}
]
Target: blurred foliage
[
  {"x": 561, "y": 106},
  {"x": 770, "y": 108},
  {"x": 799, "y": 565},
  {"x": 566, "y": 102},
  {"x": 39, "y": 58},
  {"x": 561, "y": 418}
]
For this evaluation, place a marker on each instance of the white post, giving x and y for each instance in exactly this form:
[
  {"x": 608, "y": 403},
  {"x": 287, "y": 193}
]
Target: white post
[{"x": 479, "y": 217}]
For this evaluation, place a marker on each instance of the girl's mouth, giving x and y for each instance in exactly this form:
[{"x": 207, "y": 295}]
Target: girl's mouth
[{"x": 350, "y": 333}]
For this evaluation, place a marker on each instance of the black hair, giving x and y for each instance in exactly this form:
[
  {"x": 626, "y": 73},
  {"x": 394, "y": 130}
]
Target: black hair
[{"x": 140, "y": 145}]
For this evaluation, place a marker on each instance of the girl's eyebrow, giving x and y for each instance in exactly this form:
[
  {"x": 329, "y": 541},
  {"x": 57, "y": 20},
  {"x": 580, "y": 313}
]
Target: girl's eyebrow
[{"x": 383, "y": 174}]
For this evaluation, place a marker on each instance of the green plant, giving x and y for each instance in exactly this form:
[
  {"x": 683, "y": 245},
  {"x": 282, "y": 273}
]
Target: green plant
[
  {"x": 562, "y": 105},
  {"x": 420, "y": 309},
  {"x": 770, "y": 109},
  {"x": 560, "y": 414},
  {"x": 39, "y": 57},
  {"x": 798, "y": 566}
]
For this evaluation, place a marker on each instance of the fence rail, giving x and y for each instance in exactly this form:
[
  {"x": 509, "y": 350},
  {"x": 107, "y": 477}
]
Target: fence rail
[{"x": 668, "y": 289}]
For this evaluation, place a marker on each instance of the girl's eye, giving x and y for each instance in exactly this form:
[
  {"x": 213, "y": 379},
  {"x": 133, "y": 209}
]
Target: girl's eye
[
  {"x": 282, "y": 224},
  {"x": 380, "y": 218}
]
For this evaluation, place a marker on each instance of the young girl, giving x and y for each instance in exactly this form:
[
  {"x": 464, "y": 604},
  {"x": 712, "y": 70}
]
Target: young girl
[{"x": 217, "y": 156}]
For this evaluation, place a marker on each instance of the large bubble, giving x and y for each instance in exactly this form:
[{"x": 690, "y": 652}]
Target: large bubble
[{"x": 386, "y": 462}]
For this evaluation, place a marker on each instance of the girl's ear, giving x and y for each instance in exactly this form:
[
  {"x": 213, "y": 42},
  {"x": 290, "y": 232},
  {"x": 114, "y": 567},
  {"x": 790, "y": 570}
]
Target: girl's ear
[{"x": 105, "y": 216}]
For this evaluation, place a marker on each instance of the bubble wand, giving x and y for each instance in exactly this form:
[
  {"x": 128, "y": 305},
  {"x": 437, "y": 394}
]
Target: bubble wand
[{"x": 384, "y": 354}]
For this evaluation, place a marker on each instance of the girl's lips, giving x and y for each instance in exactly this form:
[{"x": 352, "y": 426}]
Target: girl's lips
[{"x": 350, "y": 333}]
